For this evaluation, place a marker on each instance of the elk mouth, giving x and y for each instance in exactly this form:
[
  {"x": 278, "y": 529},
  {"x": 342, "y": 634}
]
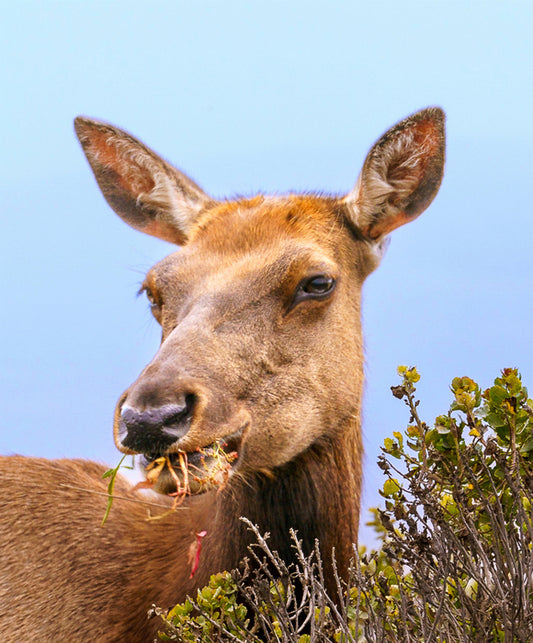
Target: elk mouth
[{"x": 189, "y": 473}]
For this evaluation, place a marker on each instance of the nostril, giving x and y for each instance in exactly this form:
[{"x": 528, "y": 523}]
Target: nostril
[
  {"x": 175, "y": 419},
  {"x": 190, "y": 403},
  {"x": 155, "y": 429},
  {"x": 168, "y": 415}
]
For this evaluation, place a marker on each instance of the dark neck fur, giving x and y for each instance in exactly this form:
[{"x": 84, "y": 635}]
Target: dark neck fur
[{"x": 317, "y": 495}]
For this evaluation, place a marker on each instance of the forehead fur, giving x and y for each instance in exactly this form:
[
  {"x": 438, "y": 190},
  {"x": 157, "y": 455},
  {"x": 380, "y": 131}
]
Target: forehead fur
[
  {"x": 247, "y": 234},
  {"x": 241, "y": 225}
]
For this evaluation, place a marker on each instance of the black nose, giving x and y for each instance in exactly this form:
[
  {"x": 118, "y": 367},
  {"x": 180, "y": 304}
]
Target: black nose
[{"x": 153, "y": 430}]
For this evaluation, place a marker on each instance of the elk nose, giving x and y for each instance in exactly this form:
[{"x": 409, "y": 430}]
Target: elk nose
[{"x": 153, "y": 430}]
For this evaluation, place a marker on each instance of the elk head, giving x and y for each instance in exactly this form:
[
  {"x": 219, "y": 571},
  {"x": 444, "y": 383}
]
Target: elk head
[{"x": 261, "y": 350}]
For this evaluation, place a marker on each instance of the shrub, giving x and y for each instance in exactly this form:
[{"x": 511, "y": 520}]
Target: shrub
[{"x": 456, "y": 532}]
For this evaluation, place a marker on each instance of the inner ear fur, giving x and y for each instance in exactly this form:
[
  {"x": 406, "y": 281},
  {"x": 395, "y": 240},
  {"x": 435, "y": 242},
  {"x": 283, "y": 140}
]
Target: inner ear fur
[
  {"x": 401, "y": 175},
  {"x": 144, "y": 190}
]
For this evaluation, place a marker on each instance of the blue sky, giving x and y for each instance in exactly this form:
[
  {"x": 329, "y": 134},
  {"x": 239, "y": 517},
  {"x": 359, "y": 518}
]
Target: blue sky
[{"x": 250, "y": 96}]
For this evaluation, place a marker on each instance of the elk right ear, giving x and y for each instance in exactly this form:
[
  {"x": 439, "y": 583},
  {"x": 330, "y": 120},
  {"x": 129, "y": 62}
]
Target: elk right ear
[
  {"x": 401, "y": 175},
  {"x": 142, "y": 188}
]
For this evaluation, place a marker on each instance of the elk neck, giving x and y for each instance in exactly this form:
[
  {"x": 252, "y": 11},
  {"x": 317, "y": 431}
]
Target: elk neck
[{"x": 317, "y": 495}]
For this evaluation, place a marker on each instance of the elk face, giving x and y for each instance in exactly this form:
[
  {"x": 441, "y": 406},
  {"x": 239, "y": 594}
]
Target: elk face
[
  {"x": 260, "y": 343},
  {"x": 261, "y": 351}
]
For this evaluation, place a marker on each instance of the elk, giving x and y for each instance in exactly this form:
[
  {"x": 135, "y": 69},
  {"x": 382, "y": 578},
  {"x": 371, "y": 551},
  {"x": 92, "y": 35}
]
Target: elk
[{"x": 261, "y": 356}]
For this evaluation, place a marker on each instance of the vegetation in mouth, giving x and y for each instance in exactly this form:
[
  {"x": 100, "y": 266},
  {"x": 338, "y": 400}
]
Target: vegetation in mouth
[
  {"x": 184, "y": 474},
  {"x": 180, "y": 474}
]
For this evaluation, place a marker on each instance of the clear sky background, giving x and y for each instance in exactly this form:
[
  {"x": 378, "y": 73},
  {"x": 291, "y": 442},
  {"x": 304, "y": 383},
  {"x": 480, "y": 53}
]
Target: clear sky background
[{"x": 250, "y": 96}]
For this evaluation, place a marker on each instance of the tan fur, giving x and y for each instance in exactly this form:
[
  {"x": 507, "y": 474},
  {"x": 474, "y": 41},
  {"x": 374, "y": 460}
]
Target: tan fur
[{"x": 267, "y": 365}]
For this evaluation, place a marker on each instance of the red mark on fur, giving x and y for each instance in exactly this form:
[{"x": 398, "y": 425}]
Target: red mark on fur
[{"x": 194, "y": 552}]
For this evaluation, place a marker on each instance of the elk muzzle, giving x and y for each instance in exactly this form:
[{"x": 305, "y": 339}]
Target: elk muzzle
[{"x": 189, "y": 439}]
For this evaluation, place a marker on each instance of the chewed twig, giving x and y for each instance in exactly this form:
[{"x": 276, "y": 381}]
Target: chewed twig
[{"x": 156, "y": 468}]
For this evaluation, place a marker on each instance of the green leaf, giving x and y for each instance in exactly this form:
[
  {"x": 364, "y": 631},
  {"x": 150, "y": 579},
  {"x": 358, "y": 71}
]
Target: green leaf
[
  {"x": 112, "y": 475},
  {"x": 399, "y": 437},
  {"x": 390, "y": 487},
  {"x": 497, "y": 394}
]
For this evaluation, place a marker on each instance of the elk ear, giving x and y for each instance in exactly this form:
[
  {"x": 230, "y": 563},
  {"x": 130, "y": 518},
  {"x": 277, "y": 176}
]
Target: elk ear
[
  {"x": 401, "y": 175},
  {"x": 142, "y": 188}
]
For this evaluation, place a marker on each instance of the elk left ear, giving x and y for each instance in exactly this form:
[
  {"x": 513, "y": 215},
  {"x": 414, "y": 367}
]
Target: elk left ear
[
  {"x": 401, "y": 175},
  {"x": 148, "y": 193}
]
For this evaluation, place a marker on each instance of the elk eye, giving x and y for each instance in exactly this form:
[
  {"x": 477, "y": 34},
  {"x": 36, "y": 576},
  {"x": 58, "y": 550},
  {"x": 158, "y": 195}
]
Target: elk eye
[
  {"x": 315, "y": 287},
  {"x": 319, "y": 285},
  {"x": 155, "y": 303},
  {"x": 150, "y": 296}
]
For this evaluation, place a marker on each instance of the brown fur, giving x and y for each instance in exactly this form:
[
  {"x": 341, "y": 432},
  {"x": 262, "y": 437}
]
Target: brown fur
[{"x": 260, "y": 357}]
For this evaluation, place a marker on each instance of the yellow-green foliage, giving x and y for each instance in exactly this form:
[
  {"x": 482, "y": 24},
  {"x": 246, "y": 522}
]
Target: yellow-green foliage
[
  {"x": 456, "y": 532},
  {"x": 215, "y": 603}
]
